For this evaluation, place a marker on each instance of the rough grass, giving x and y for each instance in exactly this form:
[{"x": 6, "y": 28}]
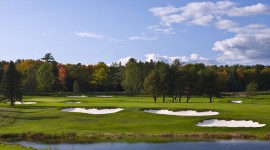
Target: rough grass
[
  {"x": 13, "y": 147},
  {"x": 46, "y": 119},
  {"x": 7, "y": 116}
]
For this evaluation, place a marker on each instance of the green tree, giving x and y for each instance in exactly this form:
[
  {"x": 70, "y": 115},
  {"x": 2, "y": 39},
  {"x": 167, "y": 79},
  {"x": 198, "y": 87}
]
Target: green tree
[
  {"x": 131, "y": 78},
  {"x": 152, "y": 85},
  {"x": 209, "y": 84},
  {"x": 76, "y": 88},
  {"x": 190, "y": 79},
  {"x": 11, "y": 84},
  {"x": 100, "y": 76},
  {"x": 48, "y": 58},
  {"x": 29, "y": 82},
  {"x": 252, "y": 89},
  {"x": 45, "y": 77},
  {"x": 163, "y": 69},
  {"x": 180, "y": 85}
]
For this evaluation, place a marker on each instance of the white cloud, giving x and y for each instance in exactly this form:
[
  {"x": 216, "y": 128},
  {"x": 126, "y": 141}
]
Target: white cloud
[
  {"x": 164, "y": 30},
  {"x": 204, "y": 13},
  {"x": 250, "y": 45},
  {"x": 249, "y": 10},
  {"x": 193, "y": 58},
  {"x": 203, "y": 20},
  {"x": 226, "y": 24},
  {"x": 124, "y": 60},
  {"x": 142, "y": 37},
  {"x": 90, "y": 35},
  {"x": 160, "y": 11}
]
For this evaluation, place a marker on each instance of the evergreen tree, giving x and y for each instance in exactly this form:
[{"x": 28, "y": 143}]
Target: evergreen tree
[
  {"x": 131, "y": 80},
  {"x": 11, "y": 84},
  {"x": 48, "y": 58},
  {"x": 76, "y": 88}
]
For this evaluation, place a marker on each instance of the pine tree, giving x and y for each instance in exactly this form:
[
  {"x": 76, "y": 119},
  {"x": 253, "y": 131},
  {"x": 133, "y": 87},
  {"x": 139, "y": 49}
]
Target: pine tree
[
  {"x": 11, "y": 84},
  {"x": 76, "y": 88}
]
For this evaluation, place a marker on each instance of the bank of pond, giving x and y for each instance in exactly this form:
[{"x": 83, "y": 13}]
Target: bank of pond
[{"x": 173, "y": 145}]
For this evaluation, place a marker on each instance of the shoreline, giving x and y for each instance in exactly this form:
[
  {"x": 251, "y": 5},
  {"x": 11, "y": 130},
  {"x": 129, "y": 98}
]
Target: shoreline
[{"x": 72, "y": 137}]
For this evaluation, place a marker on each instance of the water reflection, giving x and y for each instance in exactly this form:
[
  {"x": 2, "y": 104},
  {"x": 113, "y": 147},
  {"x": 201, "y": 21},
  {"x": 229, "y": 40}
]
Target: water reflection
[{"x": 204, "y": 145}]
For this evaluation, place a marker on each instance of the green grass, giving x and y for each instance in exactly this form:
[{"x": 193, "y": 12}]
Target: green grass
[
  {"x": 46, "y": 117},
  {"x": 13, "y": 147}
]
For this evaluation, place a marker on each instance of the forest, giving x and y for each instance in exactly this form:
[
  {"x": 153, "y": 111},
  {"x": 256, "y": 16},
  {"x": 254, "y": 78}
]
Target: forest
[{"x": 175, "y": 80}]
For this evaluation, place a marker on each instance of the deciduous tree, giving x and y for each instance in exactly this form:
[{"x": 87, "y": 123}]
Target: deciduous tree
[
  {"x": 252, "y": 89},
  {"x": 45, "y": 77},
  {"x": 152, "y": 84}
]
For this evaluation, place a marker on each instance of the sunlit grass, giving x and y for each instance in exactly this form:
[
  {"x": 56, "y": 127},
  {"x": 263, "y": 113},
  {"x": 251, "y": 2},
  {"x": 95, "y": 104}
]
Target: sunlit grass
[
  {"x": 46, "y": 116},
  {"x": 13, "y": 147}
]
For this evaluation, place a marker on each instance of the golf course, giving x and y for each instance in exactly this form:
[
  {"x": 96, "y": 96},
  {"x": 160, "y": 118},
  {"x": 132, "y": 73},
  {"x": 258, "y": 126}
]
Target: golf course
[{"x": 45, "y": 120}]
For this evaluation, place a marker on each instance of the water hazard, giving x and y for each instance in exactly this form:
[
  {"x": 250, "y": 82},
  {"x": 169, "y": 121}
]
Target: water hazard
[{"x": 203, "y": 145}]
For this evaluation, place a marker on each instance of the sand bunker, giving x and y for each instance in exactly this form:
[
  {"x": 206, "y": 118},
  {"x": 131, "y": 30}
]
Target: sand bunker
[
  {"x": 73, "y": 102},
  {"x": 236, "y": 101},
  {"x": 230, "y": 123},
  {"x": 182, "y": 113},
  {"x": 93, "y": 110},
  {"x": 26, "y": 103},
  {"x": 104, "y": 96},
  {"x": 78, "y": 96}
]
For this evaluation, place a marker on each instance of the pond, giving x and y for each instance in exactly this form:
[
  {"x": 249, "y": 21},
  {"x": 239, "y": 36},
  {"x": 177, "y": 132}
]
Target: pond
[{"x": 202, "y": 145}]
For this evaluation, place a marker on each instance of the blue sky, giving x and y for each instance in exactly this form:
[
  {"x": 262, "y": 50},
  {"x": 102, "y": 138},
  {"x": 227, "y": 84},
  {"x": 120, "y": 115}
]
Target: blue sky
[{"x": 89, "y": 31}]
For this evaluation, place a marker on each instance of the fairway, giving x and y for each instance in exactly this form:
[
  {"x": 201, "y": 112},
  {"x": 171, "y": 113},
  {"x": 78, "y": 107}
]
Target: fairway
[{"x": 46, "y": 116}]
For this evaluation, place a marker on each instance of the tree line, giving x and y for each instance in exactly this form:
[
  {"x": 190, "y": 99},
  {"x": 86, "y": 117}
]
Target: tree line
[{"x": 174, "y": 80}]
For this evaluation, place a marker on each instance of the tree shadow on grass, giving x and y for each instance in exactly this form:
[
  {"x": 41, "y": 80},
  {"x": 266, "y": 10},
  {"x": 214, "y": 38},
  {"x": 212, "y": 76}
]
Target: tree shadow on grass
[
  {"x": 38, "y": 118},
  {"x": 38, "y": 107}
]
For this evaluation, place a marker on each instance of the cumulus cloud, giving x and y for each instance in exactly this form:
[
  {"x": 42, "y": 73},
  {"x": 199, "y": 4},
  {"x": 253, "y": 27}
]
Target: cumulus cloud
[
  {"x": 193, "y": 58},
  {"x": 124, "y": 60},
  {"x": 90, "y": 35},
  {"x": 226, "y": 24},
  {"x": 250, "y": 45},
  {"x": 249, "y": 10},
  {"x": 204, "y": 13}
]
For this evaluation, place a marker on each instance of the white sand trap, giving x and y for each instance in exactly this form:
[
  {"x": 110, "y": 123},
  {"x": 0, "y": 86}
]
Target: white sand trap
[
  {"x": 73, "y": 102},
  {"x": 104, "y": 96},
  {"x": 26, "y": 103},
  {"x": 236, "y": 101},
  {"x": 230, "y": 123},
  {"x": 182, "y": 113},
  {"x": 78, "y": 96},
  {"x": 93, "y": 110}
]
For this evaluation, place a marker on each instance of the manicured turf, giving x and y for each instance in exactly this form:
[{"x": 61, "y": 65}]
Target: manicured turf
[{"x": 46, "y": 116}]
